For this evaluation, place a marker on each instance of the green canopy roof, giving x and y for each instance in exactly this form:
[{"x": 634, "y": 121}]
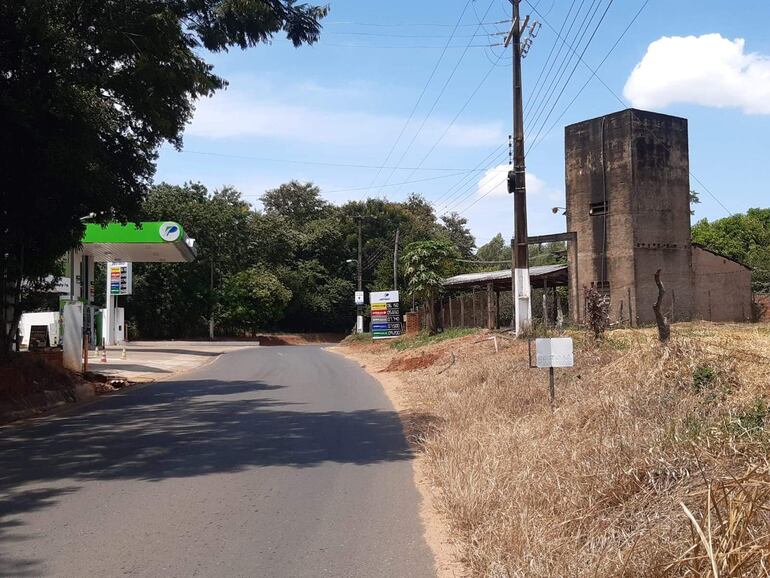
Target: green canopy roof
[{"x": 147, "y": 242}]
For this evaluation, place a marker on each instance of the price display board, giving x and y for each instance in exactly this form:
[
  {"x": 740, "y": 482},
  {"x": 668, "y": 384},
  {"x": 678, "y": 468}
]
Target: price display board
[
  {"x": 386, "y": 314},
  {"x": 120, "y": 278}
]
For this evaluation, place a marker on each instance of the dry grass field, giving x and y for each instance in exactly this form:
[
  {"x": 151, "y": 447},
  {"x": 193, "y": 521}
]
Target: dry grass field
[{"x": 653, "y": 463}]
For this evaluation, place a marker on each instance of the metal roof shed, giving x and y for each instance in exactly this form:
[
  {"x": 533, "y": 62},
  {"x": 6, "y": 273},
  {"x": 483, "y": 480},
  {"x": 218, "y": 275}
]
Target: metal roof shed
[{"x": 540, "y": 276}]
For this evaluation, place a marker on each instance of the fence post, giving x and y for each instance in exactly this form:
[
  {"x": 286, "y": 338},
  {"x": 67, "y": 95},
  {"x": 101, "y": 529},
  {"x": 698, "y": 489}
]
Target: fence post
[
  {"x": 490, "y": 311},
  {"x": 462, "y": 310},
  {"x": 443, "y": 315}
]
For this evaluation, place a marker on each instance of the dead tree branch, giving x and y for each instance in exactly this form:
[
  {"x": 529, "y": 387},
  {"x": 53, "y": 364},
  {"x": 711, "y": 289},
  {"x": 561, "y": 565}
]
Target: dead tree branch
[{"x": 664, "y": 328}]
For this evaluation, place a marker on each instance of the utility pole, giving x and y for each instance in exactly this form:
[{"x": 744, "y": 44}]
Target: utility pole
[
  {"x": 211, "y": 290},
  {"x": 359, "y": 308},
  {"x": 518, "y": 186},
  {"x": 395, "y": 261}
]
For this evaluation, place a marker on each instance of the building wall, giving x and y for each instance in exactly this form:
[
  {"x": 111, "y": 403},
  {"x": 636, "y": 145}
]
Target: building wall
[
  {"x": 722, "y": 287},
  {"x": 661, "y": 213},
  {"x": 599, "y": 169}
]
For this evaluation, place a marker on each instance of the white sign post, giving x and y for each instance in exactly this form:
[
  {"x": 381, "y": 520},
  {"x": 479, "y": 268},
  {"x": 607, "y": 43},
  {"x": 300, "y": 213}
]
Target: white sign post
[
  {"x": 554, "y": 352},
  {"x": 359, "y": 297}
]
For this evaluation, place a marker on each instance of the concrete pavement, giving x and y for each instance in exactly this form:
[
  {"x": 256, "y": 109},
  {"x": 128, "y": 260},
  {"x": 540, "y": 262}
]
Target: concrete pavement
[
  {"x": 152, "y": 360},
  {"x": 280, "y": 461}
]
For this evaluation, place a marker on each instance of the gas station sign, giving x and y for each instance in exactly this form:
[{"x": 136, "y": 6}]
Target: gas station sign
[
  {"x": 386, "y": 314},
  {"x": 120, "y": 278}
]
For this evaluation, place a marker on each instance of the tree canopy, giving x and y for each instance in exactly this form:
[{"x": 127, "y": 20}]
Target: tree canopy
[
  {"x": 89, "y": 90},
  {"x": 298, "y": 246}
]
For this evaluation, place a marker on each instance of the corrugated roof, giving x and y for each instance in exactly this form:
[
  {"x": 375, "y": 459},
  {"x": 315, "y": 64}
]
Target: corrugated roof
[{"x": 487, "y": 276}]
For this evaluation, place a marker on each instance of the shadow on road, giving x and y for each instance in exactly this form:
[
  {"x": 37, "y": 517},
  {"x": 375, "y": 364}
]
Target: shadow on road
[
  {"x": 208, "y": 427},
  {"x": 180, "y": 429}
]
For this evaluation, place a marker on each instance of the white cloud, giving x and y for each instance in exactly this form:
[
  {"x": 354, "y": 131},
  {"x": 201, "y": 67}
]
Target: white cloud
[
  {"x": 494, "y": 183},
  {"x": 708, "y": 70},
  {"x": 234, "y": 113}
]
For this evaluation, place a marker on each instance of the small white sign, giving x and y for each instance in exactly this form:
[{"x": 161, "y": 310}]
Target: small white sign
[
  {"x": 383, "y": 297},
  {"x": 554, "y": 352},
  {"x": 359, "y": 297}
]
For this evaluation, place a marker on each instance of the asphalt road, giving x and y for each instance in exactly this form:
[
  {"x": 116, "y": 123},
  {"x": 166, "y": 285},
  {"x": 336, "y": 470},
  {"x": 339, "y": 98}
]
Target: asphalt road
[{"x": 277, "y": 461}]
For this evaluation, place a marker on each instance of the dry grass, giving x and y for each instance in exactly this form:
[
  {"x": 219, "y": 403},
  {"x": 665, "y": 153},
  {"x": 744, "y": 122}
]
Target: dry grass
[{"x": 653, "y": 463}]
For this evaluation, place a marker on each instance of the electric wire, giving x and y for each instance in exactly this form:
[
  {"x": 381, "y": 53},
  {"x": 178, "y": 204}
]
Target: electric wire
[
  {"x": 435, "y": 103},
  {"x": 470, "y": 190},
  {"x": 419, "y": 99},
  {"x": 536, "y": 94},
  {"x": 322, "y": 163},
  {"x": 588, "y": 18},
  {"x": 530, "y": 97},
  {"x": 572, "y": 73},
  {"x": 459, "y": 184},
  {"x": 452, "y": 122},
  {"x": 590, "y": 78},
  {"x": 626, "y": 105}
]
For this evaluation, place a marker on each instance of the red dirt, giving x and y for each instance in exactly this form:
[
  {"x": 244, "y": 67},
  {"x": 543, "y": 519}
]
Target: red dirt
[
  {"x": 24, "y": 375},
  {"x": 298, "y": 338},
  {"x": 412, "y": 363}
]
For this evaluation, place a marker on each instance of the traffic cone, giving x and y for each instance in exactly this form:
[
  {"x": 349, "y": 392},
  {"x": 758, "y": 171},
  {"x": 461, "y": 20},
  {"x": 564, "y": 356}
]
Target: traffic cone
[
  {"x": 104, "y": 355},
  {"x": 123, "y": 353}
]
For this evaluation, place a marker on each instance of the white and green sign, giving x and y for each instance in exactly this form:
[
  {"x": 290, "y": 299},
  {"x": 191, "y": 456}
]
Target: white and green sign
[{"x": 386, "y": 314}]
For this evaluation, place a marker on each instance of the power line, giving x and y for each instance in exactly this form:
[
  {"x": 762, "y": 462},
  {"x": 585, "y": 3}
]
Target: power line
[
  {"x": 554, "y": 86},
  {"x": 407, "y": 24},
  {"x": 390, "y": 35},
  {"x": 574, "y": 68},
  {"x": 627, "y": 105},
  {"x": 530, "y": 97},
  {"x": 459, "y": 184},
  {"x": 436, "y": 100},
  {"x": 593, "y": 75},
  {"x": 396, "y": 46},
  {"x": 451, "y": 123},
  {"x": 321, "y": 163},
  {"x": 350, "y": 189},
  {"x": 534, "y": 97},
  {"x": 470, "y": 190},
  {"x": 419, "y": 99}
]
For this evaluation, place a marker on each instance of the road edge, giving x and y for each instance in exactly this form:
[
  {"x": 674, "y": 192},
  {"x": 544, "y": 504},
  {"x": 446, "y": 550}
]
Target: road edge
[
  {"x": 435, "y": 529},
  {"x": 64, "y": 410}
]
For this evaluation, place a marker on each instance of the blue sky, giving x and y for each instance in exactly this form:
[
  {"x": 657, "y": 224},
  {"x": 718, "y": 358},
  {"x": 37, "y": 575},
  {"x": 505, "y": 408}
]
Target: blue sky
[{"x": 333, "y": 112}]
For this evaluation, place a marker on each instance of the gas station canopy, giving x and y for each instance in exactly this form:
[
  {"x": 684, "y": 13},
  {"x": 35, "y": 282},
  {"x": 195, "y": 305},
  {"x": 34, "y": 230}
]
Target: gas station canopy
[{"x": 147, "y": 242}]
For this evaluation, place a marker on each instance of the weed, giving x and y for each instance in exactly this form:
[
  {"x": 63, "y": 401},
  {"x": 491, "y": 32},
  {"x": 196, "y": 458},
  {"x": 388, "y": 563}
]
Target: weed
[
  {"x": 703, "y": 378},
  {"x": 423, "y": 338},
  {"x": 750, "y": 421}
]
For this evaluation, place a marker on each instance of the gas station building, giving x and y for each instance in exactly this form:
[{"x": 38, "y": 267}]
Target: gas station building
[{"x": 85, "y": 324}]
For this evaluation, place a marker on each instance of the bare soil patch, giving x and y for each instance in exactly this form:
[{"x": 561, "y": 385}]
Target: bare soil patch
[
  {"x": 412, "y": 363},
  {"x": 272, "y": 339}
]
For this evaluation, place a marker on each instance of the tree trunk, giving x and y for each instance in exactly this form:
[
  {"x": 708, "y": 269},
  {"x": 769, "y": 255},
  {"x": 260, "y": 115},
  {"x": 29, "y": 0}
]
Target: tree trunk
[
  {"x": 430, "y": 316},
  {"x": 664, "y": 329}
]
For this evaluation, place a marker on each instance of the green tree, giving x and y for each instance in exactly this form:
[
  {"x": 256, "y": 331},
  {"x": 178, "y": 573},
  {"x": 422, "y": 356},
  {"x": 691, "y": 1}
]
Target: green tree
[
  {"x": 180, "y": 299},
  {"x": 456, "y": 228},
  {"x": 298, "y": 203},
  {"x": 495, "y": 250},
  {"x": 252, "y": 299},
  {"x": 89, "y": 90},
  {"x": 694, "y": 200},
  {"x": 426, "y": 265}
]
